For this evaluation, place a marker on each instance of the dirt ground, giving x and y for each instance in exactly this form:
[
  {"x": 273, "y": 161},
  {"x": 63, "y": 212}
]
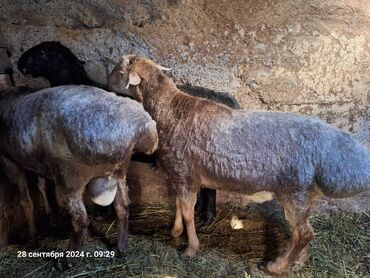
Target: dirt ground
[{"x": 341, "y": 247}]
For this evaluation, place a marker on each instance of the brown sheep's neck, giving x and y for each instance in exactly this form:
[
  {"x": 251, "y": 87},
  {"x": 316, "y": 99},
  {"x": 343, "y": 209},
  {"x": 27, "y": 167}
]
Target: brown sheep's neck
[
  {"x": 174, "y": 110},
  {"x": 158, "y": 96}
]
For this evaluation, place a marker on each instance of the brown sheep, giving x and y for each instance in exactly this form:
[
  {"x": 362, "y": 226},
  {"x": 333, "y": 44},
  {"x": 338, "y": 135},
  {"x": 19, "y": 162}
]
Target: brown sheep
[
  {"x": 290, "y": 157},
  {"x": 60, "y": 66}
]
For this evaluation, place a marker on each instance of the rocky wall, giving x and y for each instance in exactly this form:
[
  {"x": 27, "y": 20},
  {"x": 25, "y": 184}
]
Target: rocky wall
[{"x": 305, "y": 56}]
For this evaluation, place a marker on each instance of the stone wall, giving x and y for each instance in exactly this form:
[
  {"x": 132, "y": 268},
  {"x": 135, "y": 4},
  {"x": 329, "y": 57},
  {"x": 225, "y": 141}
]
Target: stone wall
[{"x": 305, "y": 56}]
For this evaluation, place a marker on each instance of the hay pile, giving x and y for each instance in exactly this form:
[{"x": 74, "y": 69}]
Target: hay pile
[{"x": 341, "y": 248}]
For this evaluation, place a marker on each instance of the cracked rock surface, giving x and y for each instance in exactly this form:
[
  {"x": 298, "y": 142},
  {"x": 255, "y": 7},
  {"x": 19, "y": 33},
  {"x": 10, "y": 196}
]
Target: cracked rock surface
[{"x": 305, "y": 56}]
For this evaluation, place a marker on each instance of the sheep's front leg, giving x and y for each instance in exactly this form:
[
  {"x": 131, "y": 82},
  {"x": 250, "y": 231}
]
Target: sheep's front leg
[
  {"x": 209, "y": 210},
  {"x": 206, "y": 206},
  {"x": 187, "y": 208},
  {"x": 121, "y": 206}
]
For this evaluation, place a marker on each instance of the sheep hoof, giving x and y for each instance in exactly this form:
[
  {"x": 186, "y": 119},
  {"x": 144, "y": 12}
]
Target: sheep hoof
[
  {"x": 64, "y": 264},
  {"x": 178, "y": 241},
  {"x": 302, "y": 258},
  {"x": 190, "y": 252},
  {"x": 176, "y": 232},
  {"x": 119, "y": 251},
  {"x": 275, "y": 268},
  {"x": 210, "y": 217}
]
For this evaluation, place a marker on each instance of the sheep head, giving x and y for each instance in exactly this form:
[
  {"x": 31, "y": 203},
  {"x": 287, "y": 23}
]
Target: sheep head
[
  {"x": 55, "y": 62},
  {"x": 128, "y": 74}
]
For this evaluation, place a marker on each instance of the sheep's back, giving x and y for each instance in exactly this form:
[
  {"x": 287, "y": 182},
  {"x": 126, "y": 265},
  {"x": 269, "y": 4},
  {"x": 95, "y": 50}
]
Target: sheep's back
[
  {"x": 262, "y": 148},
  {"x": 85, "y": 122}
]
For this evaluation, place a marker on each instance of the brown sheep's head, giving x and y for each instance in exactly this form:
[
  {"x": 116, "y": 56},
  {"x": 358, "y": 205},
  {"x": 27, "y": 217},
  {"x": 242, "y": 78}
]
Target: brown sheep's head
[{"x": 128, "y": 74}]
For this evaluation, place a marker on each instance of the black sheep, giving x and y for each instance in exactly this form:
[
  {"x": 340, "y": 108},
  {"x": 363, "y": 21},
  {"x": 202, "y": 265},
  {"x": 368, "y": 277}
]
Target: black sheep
[{"x": 55, "y": 62}]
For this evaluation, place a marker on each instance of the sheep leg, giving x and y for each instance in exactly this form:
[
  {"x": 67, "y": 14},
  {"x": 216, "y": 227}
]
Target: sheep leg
[
  {"x": 200, "y": 202},
  {"x": 210, "y": 208},
  {"x": 121, "y": 203},
  {"x": 187, "y": 208},
  {"x": 178, "y": 226},
  {"x": 206, "y": 206},
  {"x": 18, "y": 176},
  {"x": 303, "y": 256},
  {"x": 80, "y": 222},
  {"x": 4, "y": 225},
  {"x": 302, "y": 234},
  {"x": 3, "y": 239},
  {"x": 27, "y": 205},
  {"x": 41, "y": 185}
]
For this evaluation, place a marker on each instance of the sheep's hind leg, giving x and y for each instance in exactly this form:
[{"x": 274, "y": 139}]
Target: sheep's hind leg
[
  {"x": 302, "y": 234},
  {"x": 18, "y": 176},
  {"x": 121, "y": 206},
  {"x": 178, "y": 226},
  {"x": 187, "y": 207},
  {"x": 303, "y": 255},
  {"x": 80, "y": 222},
  {"x": 41, "y": 185}
]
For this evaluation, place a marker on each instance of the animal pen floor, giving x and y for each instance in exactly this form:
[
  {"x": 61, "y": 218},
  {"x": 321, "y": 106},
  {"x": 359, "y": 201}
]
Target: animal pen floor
[{"x": 341, "y": 247}]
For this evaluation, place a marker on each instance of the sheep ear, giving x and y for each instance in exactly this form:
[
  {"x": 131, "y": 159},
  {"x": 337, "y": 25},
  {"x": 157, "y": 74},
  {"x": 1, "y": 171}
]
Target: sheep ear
[{"x": 133, "y": 79}]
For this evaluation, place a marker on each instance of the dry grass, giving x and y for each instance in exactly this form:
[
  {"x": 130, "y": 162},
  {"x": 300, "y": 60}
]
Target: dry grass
[{"x": 341, "y": 248}]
